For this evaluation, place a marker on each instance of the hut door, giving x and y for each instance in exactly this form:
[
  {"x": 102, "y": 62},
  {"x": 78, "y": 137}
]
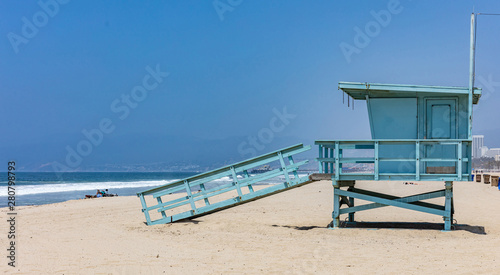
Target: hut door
[{"x": 441, "y": 118}]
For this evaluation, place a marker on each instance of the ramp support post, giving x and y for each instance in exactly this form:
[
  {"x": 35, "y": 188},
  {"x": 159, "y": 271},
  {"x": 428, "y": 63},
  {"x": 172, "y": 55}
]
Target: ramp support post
[
  {"x": 339, "y": 200},
  {"x": 351, "y": 204},
  {"x": 448, "y": 206},
  {"x": 336, "y": 205}
]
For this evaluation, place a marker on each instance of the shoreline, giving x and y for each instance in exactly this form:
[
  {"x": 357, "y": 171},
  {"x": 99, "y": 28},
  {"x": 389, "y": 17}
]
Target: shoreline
[{"x": 39, "y": 189}]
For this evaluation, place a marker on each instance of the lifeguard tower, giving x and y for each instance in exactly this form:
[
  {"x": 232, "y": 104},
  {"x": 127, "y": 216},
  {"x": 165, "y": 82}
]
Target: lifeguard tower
[{"x": 419, "y": 133}]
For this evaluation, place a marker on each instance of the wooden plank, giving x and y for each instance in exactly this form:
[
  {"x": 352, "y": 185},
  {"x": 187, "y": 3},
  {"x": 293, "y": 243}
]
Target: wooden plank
[
  {"x": 440, "y": 170},
  {"x": 320, "y": 156},
  {"x": 144, "y": 208},
  {"x": 294, "y": 171},
  {"x": 376, "y": 171},
  {"x": 409, "y": 199},
  {"x": 391, "y": 202},
  {"x": 321, "y": 176},
  {"x": 417, "y": 160},
  {"x": 357, "y": 160},
  {"x": 235, "y": 180},
  {"x": 168, "y": 191},
  {"x": 338, "y": 166}
]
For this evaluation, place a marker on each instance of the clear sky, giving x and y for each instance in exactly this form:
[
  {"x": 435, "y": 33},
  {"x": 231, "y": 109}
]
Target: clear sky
[{"x": 151, "y": 81}]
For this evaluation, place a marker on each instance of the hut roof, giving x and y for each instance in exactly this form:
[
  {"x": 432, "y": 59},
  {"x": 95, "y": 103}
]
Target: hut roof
[{"x": 359, "y": 90}]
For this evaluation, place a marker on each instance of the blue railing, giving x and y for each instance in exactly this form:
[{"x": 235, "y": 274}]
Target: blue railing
[
  {"x": 417, "y": 159},
  {"x": 193, "y": 196}
]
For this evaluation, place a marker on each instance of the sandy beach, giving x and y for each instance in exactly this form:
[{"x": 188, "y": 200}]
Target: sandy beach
[{"x": 285, "y": 233}]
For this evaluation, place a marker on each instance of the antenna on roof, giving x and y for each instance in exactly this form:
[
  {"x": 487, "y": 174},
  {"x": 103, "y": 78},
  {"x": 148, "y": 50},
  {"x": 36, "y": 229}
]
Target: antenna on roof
[
  {"x": 472, "y": 57},
  {"x": 472, "y": 65}
]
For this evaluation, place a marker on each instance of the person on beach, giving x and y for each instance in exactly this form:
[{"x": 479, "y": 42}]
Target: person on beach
[{"x": 100, "y": 194}]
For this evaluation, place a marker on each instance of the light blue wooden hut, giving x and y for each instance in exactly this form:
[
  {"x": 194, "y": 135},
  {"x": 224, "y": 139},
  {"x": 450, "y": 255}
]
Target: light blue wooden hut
[{"x": 419, "y": 133}]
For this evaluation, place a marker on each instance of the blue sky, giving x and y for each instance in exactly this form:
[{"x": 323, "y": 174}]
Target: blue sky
[{"x": 232, "y": 67}]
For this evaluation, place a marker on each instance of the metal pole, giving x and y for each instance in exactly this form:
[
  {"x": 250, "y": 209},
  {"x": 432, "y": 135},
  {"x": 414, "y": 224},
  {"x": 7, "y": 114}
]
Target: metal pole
[{"x": 472, "y": 69}]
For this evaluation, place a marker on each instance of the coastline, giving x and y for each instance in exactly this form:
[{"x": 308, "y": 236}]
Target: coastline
[
  {"x": 35, "y": 188},
  {"x": 284, "y": 233}
]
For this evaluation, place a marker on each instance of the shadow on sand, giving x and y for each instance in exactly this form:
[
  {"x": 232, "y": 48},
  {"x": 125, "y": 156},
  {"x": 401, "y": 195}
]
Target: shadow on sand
[
  {"x": 297, "y": 227},
  {"x": 412, "y": 225},
  {"x": 395, "y": 225},
  {"x": 185, "y": 221}
]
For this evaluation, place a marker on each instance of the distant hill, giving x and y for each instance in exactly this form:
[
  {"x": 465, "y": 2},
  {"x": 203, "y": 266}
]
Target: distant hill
[{"x": 147, "y": 153}]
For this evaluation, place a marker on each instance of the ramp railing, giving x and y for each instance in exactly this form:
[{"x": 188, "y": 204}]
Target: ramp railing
[
  {"x": 423, "y": 161},
  {"x": 202, "y": 194}
]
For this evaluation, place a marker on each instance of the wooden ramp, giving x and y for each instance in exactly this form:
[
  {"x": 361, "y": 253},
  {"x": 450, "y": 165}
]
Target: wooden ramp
[{"x": 206, "y": 193}]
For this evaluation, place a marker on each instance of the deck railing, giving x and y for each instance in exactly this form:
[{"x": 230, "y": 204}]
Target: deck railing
[
  {"x": 332, "y": 157},
  {"x": 192, "y": 197}
]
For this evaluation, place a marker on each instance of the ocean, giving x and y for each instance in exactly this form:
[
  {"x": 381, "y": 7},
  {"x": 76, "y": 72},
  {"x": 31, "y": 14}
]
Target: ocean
[{"x": 34, "y": 188}]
